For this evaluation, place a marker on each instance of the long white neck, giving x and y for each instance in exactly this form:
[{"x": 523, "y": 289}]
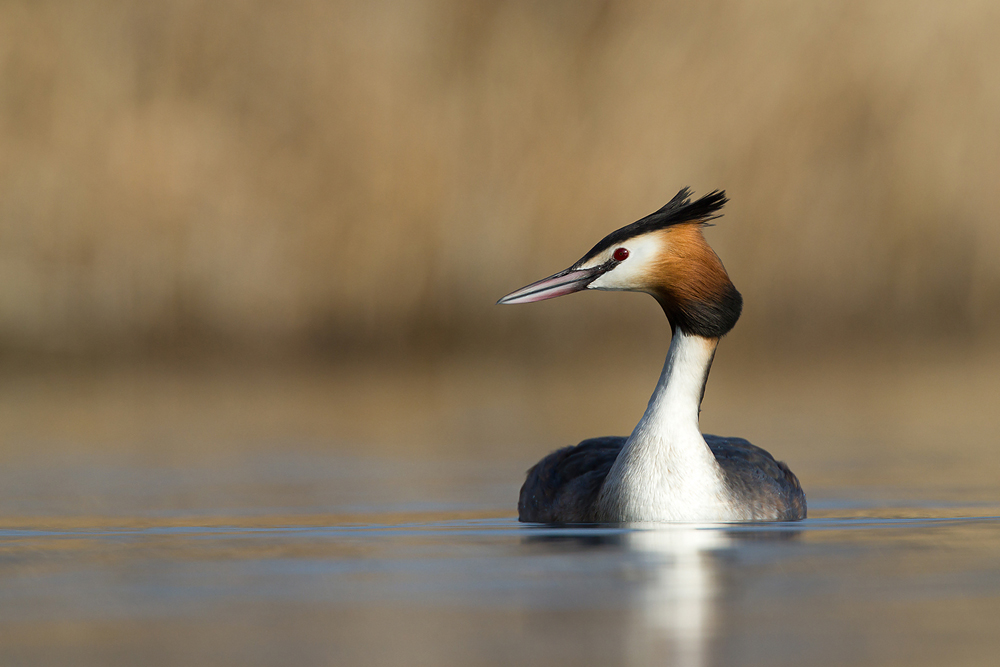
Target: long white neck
[{"x": 666, "y": 472}]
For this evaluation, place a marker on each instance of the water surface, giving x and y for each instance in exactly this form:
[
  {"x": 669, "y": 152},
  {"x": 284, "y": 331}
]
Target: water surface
[
  {"x": 389, "y": 577},
  {"x": 163, "y": 520}
]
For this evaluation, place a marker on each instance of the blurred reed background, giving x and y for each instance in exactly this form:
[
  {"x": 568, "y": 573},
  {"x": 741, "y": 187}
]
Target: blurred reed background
[{"x": 317, "y": 178}]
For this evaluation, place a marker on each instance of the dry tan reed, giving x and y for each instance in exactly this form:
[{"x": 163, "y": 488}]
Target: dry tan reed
[{"x": 283, "y": 174}]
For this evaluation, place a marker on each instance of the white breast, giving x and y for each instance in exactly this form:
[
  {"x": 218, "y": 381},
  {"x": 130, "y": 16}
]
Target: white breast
[{"x": 665, "y": 471}]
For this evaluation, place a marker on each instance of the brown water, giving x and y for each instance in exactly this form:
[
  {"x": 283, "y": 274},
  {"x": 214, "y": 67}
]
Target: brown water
[{"x": 366, "y": 516}]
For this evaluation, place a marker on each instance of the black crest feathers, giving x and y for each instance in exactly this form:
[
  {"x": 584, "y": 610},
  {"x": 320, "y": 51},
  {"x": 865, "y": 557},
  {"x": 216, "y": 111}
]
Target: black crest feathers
[{"x": 677, "y": 210}]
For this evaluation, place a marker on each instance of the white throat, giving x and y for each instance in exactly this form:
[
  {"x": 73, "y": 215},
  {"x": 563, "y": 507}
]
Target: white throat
[{"x": 665, "y": 471}]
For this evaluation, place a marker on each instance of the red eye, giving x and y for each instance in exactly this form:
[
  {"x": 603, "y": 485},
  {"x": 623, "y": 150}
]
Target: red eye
[{"x": 621, "y": 254}]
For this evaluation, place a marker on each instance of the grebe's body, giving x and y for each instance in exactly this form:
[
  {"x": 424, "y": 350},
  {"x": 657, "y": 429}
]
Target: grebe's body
[{"x": 667, "y": 470}]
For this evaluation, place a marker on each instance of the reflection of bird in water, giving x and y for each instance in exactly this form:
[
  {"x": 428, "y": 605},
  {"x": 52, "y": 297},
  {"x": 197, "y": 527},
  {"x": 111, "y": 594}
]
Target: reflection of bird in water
[
  {"x": 666, "y": 470},
  {"x": 676, "y": 582}
]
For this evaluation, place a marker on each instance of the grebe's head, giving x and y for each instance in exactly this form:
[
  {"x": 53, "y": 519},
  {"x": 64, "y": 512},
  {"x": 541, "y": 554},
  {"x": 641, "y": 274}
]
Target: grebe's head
[{"x": 663, "y": 254}]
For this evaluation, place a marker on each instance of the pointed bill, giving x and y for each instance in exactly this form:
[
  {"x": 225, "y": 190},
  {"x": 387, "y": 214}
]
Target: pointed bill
[{"x": 565, "y": 282}]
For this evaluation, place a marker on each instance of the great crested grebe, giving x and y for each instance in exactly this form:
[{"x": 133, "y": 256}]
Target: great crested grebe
[{"x": 666, "y": 470}]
